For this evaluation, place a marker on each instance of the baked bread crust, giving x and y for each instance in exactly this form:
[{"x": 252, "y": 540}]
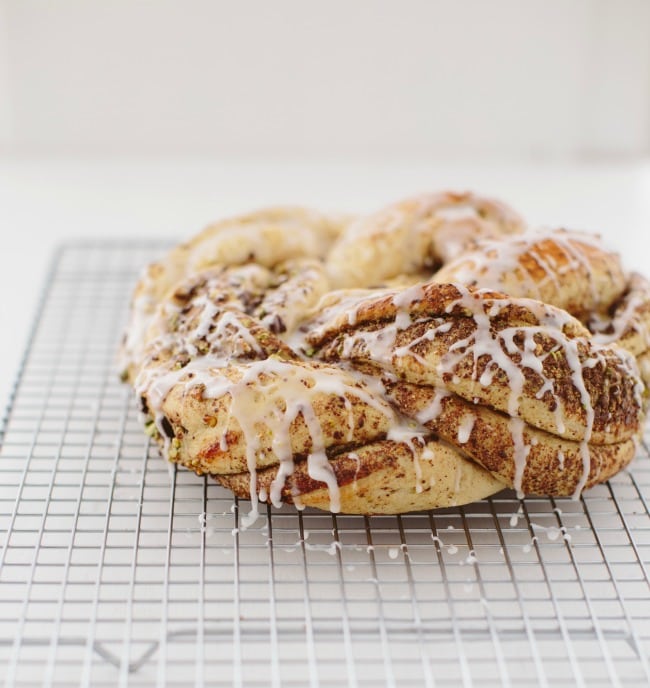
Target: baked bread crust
[{"x": 522, "y": 360}]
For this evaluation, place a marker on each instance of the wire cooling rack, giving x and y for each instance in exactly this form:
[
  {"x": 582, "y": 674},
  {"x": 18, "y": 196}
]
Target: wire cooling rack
[{"x": 115, "y": 571}]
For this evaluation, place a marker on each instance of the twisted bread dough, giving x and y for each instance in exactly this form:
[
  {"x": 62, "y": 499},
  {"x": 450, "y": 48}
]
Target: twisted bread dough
[
  {"x": 515, "y": 364},
  {"x": 416, "y": 235},
  {"x": 572, "y": 271},
  {"x": 266, "y": 238}
]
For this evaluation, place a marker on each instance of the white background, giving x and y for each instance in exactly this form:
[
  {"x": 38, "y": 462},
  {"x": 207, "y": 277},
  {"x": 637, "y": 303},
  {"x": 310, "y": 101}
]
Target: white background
[
  {"x": 293, "y": 78},
  {"x": 133, "y": 118}
]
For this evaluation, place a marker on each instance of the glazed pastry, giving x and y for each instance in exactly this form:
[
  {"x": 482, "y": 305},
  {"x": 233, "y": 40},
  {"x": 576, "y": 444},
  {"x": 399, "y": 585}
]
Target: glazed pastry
[{"x": 425, "y": 356}]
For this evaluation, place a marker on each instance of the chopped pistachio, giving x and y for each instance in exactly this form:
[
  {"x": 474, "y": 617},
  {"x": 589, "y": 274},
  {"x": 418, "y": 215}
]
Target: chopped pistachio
[
  {"x": 151, "y": 430},
  {"x": 174, "y": 448}
]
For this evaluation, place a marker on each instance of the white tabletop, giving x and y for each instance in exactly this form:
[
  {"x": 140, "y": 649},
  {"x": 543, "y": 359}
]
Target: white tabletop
[{"x": 44, "y": 202}]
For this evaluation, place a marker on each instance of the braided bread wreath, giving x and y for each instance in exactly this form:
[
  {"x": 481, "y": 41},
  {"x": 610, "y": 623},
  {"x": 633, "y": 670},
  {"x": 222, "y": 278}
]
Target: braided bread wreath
[{"x": 425, "y": 356}]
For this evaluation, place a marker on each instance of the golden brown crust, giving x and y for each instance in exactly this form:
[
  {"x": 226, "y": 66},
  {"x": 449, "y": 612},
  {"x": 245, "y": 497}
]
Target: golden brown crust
[
  {"x": 381, "y": 478},
  {"x": 526, "y": 371},
  {"x": 445, "y": 315},
  {"x": 554, "y": 465},
  {"x": 569, "y": 270},
  {"x": 416, "y": 235},
  {"x": 266, "y": 238},
  {"x": 209, "y": 429}
]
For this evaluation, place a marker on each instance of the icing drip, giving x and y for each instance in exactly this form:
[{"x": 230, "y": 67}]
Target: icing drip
[
  {"x": 433, "y": 410},
  {"x": 226, "y": 331},
  {"x": 208, "y": 313},
  {"x": 407, "y": 297},
  {"x": 495, "y": 262},
  {"x": 505, "y": 353},
  {"x": 465, "y": 428},
  {"x": 412, "y": 435},
  {"x": 318, "y": 466},
  {"x": 287, "y": 304},
  {"x": 402, "y": 320},
  {"x": 627, "y": 320},
  {"x": 521, "y": 451},
  {"x": 500, "y": 348},
  {"x": 355, "y": 457},
  {"x": 274, "y": 392},
  {"x": 381, "y": 342},
  {"x": 468, "y": 351},
  {"x": 344, "y": 304}
]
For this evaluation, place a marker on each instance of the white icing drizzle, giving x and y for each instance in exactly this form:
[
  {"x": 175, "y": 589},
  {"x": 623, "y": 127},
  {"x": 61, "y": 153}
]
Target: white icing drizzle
[
  {"x": 285, "y": 469},
  {"x": 494, "y": 263},
  {"x": 433, "y": 409},
  {"x": 206, "y": 320},
  {"x": 257, "y": 388},
  {"x": 500, "y": 348},
  {"x": 409, "y": 433},
  {"x": 343, "y": 304},
  {"x": 247, "y": 520},
  {"x": 223, "y": 331},
  {"x": 607, "y": 331},
  {"x": 318, "y": 465},
  {"x": 402, "y": 320},
  {"x": 483, "y": 342},
  {"x": 429, "y": 335},
  {"x": 261, "y": 383},
  {"x": 355, "y": 457},
  {"x": 406, "y": 237},
  {"x": 381, "y": 342},
  {"x": 521, "y": 451},
  {"x": 405, "y": 298},
  {"x": 290, "y": 301},
  {"x": 465, "y": 428}
]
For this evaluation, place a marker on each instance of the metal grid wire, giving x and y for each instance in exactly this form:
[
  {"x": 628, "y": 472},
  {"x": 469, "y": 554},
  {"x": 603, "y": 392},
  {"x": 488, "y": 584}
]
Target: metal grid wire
[{"x": 115, "y": 571}]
